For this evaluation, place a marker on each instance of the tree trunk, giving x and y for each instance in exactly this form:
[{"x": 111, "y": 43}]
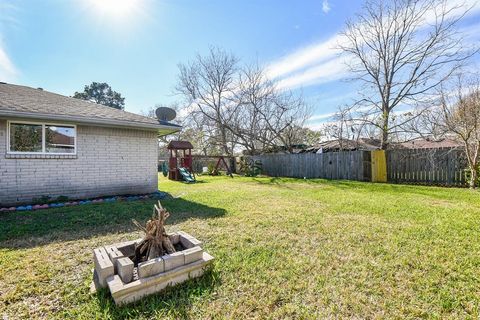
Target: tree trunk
[
  {"x": 224, "y": 140},
  {"x": 384, "y": 142},
  {"x": 472, "y": 160},
  {"x": 473, "y": 178}
]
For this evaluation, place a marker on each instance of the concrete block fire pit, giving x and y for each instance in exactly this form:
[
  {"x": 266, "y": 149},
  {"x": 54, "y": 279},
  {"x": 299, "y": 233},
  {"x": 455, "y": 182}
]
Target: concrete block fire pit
[{"x": 115, "y": 268}]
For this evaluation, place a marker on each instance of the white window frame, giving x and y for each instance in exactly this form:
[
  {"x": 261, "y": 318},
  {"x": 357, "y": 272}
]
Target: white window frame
[{"x": 43, "y": 124}]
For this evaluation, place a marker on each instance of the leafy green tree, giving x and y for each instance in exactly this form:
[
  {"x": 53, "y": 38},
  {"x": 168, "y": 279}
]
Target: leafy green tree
[{"x": 101, "y": 93}]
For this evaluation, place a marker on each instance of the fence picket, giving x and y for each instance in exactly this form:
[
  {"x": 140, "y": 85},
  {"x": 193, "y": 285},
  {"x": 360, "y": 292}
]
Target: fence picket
[{"x": 419, "y": 166}]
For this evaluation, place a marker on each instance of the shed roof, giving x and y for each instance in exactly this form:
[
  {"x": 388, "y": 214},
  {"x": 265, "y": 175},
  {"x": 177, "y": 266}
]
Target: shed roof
[
  {"x": 181, "y": 145},
  {"x": 25, "y": 102}
]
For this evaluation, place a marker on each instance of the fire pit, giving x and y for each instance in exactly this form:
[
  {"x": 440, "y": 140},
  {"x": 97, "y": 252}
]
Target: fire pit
[{"x": 134, "y": 269}]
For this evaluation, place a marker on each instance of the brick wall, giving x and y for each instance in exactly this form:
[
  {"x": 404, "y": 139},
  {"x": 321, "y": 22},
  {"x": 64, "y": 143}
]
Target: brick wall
[{"x": 109, "y": 161}]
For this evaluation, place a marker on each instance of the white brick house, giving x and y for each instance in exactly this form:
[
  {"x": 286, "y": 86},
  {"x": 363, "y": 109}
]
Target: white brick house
[{"x": 52, "y": 145}]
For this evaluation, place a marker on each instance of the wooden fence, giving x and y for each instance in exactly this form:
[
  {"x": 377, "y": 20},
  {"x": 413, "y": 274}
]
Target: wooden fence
[
  {"x": 349, "y": 165},
  {"x": 442, "y": 166}
]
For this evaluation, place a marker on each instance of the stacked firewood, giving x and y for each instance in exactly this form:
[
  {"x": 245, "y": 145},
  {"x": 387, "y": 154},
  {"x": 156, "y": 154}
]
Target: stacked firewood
[{"x": 155, "y": 242}]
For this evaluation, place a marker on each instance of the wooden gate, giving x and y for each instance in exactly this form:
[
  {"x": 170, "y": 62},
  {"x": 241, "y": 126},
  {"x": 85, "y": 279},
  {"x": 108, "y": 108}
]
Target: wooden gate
[{"x": 379, "y": 166}]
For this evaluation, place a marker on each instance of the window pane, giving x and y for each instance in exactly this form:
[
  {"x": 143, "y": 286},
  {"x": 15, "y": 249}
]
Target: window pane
[
  {"x": 25, "y": 137},
  {"x": 59, "y": 139}
]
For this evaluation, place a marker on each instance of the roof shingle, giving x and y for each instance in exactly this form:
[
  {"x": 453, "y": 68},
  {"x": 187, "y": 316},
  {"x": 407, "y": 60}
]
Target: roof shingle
[{"x": 21, "y": 100}]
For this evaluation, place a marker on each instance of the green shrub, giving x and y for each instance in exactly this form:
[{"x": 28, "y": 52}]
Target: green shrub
[
  {"x": 62, "y": 199},
  {"x": 49, "y": 199},
  {"x": 250, "y": 168},
  {"x": 41, "y": 200},
  {"x": 212, "y": 171}
]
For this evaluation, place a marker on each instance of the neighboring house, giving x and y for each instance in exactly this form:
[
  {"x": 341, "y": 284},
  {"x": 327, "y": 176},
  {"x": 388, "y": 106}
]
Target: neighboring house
[
  {"x": 295, "y": 148},
  {"x": 344, "y": 145},
  {"x": 367, "y": 144},
  {"x": 53, "y": 145},
  {"x": 428, "y": 144}
]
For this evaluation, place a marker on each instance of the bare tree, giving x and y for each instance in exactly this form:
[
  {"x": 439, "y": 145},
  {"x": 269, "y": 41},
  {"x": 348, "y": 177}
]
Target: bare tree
[
  {"x": 345, "y": 126},
  {"x": 208, "y": 86},
  {"x": 341, "y": 127},
  {"x": 304, "y": 136},
  {"x": 238, "y": 106},
  {"x": 191, "y": 131},
  {"x": 267, "y": 117},
  {"x": 459, "y": 116},
  {"x": 401, "y": 50},
  {"x": 428, "y": 125}
]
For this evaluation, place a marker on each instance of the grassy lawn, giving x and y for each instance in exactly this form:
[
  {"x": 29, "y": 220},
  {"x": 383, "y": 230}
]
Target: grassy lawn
[{"x": 284, "y": 248}]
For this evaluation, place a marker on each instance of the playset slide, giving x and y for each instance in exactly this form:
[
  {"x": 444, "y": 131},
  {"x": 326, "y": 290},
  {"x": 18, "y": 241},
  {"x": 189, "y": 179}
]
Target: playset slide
[{"x": 187, "y": 176}]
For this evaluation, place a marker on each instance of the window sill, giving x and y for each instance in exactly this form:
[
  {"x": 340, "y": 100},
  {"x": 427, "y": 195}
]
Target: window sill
[{"x": 40, "y": 156}]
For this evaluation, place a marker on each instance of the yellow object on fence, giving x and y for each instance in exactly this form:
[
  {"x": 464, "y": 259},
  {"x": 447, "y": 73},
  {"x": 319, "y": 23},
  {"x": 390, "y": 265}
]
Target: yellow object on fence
[{"x": 379, "y": 166}]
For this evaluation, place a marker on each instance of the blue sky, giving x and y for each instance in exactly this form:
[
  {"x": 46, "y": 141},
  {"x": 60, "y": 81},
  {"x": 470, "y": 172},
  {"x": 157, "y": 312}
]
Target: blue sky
[{"x": 61, "y": 45}]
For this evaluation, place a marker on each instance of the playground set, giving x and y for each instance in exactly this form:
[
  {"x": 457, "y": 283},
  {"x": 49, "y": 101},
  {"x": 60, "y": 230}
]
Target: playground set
[
  {"x": 180, "y": 164},
  {"x": 212, "y": 164}
]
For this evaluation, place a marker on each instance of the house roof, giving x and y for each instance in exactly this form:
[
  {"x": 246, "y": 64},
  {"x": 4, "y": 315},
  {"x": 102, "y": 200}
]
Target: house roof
[
  {"x": 25, "y": 102},
  {"x": 369, "y": 144},
  {"x": 346, "y": 144},
  {"x": 428, "y": 144},
  {"x": 181, "y": 145}
]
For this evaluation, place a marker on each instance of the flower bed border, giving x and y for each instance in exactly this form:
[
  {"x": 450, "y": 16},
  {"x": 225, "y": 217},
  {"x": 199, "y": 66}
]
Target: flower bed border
[{"x": 33, "y": 207}]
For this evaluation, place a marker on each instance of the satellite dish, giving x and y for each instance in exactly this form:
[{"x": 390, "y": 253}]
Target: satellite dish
[{"x": 165, "y": 114}]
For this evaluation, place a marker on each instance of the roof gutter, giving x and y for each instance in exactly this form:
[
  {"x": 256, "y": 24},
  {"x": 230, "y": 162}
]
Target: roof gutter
[{"x": 164, "y": 128}]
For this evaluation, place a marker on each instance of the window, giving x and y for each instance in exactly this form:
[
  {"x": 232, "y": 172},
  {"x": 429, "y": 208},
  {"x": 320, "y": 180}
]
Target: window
[
  {"x": 41, "y": 138},
  {"x": 59, "y": 139},
  {"x": 25, "y": 137}
]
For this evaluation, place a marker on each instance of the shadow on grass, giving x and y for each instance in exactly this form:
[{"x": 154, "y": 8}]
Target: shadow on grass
[
  {"x": 32, "y": 228},
  {"x": 283, "y": 181},
  {"x": 434, "y": 192},
  {"x": 275, "y": 181},
  {"x": 196, "y": 181},
  {"x": 200, "y": 180},
  {"x": 174, "y": 301}
]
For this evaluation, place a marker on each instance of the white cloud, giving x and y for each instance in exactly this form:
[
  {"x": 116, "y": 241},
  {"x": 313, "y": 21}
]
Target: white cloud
[
  {"x": 304, "y": 57},
  {"x": 317, "y": 117},
  {"x": 325, "y": 6},
  {"x": 319, "y": 126},
  {"x": 322, "y": 121},
  {"x": 331, "y": 70},
  {"x": 458, "y": 9},
  {"x": 320, "y": 62},
  {"x": 8, "y": 71}
]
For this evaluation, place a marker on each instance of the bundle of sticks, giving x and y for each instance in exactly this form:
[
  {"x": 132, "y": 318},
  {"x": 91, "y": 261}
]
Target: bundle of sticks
[{"x": 155, "y": 243}]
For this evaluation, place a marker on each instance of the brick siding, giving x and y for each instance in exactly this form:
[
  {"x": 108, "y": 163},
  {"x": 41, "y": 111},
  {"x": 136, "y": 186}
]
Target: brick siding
[{"x": 109, "y": 161}]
